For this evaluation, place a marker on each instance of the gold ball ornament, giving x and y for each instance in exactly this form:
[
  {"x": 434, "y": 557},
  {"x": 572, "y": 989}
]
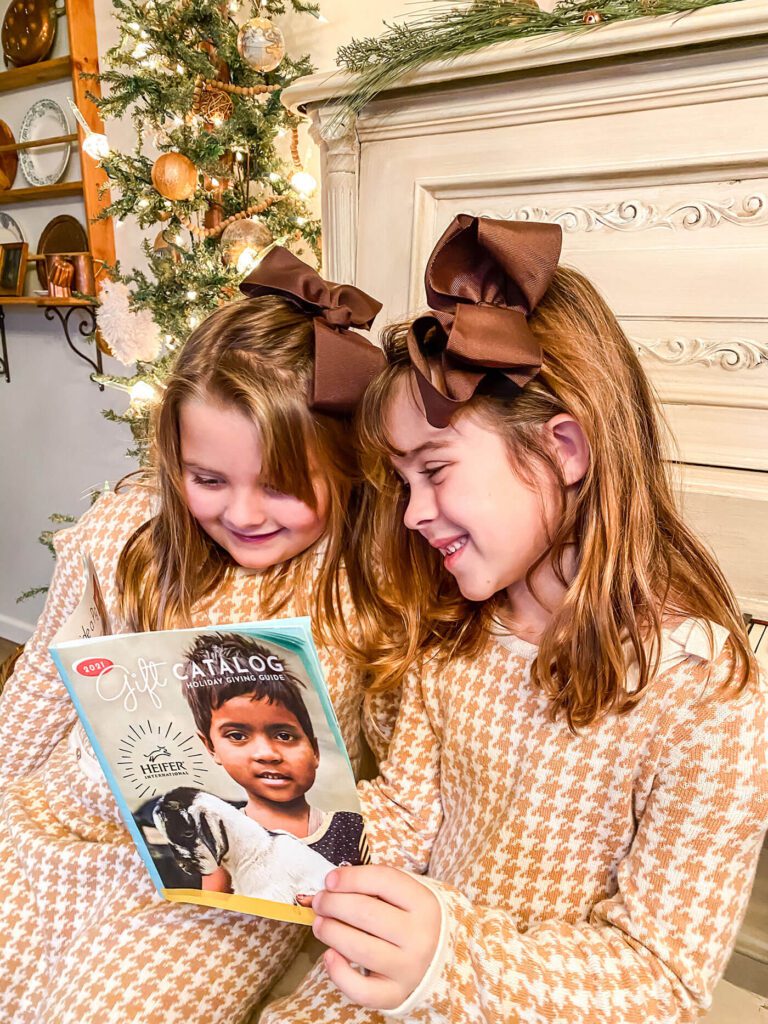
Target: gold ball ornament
[
  {"x": 260, "y": 43},
  {"x": 592, "y": 18},
  {"x": 242, "y": 235},
  {"x": 174, "y": 176}
]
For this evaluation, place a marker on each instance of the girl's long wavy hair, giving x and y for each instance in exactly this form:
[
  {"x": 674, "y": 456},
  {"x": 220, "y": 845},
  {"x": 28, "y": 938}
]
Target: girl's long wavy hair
[
  {"x": 256, "y": 356},
  {"x": 637, "y": 561}
]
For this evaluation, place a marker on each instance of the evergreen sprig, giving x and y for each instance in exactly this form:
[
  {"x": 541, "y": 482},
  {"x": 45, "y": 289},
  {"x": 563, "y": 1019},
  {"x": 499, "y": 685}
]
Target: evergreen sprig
[{"x": 444, "y": 32}]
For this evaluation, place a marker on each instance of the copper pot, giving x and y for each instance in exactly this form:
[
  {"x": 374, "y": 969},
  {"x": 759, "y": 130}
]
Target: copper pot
[
  {"x": 83, "y": 277},
  {"x": 59, "y": 271},
  {"x": 84, "y": 280}
]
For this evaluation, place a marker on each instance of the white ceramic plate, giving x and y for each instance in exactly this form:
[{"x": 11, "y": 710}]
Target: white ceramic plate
[
  {"x": 46, "y": 165},
  {"x": 9, "y": 229}
]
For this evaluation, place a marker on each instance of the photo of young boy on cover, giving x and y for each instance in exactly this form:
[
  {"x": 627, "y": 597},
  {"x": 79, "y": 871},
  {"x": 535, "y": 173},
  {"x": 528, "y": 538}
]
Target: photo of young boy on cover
[{"x": 252, "y": 719}]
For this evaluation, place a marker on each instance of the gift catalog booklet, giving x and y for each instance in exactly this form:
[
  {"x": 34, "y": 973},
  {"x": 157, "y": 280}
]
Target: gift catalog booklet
[{"x": 223, "y": 752}]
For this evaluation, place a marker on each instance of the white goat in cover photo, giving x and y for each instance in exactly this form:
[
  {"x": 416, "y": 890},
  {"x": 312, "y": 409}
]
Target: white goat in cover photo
[{"x": 206, "y": 832}]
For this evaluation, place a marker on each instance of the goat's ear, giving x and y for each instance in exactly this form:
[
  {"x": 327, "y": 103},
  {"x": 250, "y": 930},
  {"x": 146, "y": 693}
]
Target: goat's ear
[
  {"x": 213, "y": 842},
  {"x": 223, "y": 842},
  {"x": 159, "y": 819}
]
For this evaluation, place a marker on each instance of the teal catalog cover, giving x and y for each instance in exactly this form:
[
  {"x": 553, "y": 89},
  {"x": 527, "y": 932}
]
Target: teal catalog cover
[{"x": 223, "y": 752}]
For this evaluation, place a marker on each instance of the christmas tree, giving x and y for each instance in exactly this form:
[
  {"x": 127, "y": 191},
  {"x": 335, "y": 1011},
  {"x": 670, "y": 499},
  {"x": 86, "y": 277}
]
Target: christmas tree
[{"x": 201, "y": 81}]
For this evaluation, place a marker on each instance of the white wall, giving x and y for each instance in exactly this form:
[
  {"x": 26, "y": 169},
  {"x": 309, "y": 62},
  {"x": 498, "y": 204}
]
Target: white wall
[{"x": 54, "y": 444}]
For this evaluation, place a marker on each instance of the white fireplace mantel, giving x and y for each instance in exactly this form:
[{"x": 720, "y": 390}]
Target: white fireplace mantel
[
  {"x": 647, "y": 140},
  {"x": 631, "y": 39}
]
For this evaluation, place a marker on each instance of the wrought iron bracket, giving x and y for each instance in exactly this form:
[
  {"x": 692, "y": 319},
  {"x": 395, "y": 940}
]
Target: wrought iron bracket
[
  {"x": 86, "y": 327},
  {"x": 5, "y": 369}
]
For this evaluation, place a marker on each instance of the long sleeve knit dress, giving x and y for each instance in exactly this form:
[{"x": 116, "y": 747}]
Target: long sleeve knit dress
[
  {"x": 85, "y": 938},
  {"x": 589, "y": 878}
]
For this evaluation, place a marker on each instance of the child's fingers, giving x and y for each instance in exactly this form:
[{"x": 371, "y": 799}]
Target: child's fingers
[
  {"x": 367, "y": 913},
  {"x": 367, "y": 990},
  {"x": 375, "y": 954},
  {"x": 396, "y": 887}
]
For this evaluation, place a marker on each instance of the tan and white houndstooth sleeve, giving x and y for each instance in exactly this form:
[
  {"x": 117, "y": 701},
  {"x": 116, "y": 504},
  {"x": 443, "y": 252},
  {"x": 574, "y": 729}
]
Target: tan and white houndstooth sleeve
[{"x": 402, "y": 807}]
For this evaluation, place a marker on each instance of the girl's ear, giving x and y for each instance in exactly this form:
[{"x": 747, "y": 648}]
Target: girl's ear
[
  {"x": 570, "y": 445},
  {"x": 206, "y": 741}
]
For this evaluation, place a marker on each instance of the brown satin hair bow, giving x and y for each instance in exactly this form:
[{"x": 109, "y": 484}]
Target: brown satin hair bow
[
  {"x": 345, "y": 362},
  {"x": 483, "y": 279}
]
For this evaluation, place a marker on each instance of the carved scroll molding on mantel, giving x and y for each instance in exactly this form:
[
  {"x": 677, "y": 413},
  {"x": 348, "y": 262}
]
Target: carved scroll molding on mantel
[
  {"x": 637, "y": 215},
  {"x": 732, "y": 354},
  {"x": 340, "y": 159}
]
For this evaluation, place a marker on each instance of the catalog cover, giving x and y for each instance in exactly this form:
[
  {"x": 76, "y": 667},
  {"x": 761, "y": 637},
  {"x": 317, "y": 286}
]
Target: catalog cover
[{"x": 223, "y": 751}]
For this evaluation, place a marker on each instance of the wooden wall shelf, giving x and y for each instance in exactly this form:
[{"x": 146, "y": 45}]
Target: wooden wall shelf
[
  {"x": 34, "y": 74},
  {"x": 41, "y": 301},
  {"x": 39, "y": 193},
  {"x": 16, "y": 147}
]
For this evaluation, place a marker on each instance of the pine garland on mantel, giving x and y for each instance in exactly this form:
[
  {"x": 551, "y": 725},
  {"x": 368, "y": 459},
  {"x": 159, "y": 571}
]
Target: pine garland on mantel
[{"x": 444, "y": 32}]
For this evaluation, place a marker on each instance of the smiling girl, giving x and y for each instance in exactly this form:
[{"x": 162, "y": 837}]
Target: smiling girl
[
  {"x": 244, "y": 515},
  {"x": 578, "y": 780}
]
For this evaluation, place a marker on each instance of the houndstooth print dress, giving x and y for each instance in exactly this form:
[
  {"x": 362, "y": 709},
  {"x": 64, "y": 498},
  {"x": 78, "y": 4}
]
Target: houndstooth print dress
[
  {"x": 590, "y": 878},
  {"x": 85, "y": 938}
]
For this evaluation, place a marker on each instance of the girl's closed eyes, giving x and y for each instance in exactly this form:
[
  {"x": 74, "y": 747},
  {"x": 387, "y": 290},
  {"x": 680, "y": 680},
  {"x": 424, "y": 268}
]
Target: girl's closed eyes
[
  {"x": 432, "y": 472},
  {"x": 276, "y": 492},
  {"x": 210, "y": 480}
]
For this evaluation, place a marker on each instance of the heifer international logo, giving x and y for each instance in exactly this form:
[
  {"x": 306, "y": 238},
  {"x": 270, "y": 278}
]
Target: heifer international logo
[{"x": 152, "y": 753}]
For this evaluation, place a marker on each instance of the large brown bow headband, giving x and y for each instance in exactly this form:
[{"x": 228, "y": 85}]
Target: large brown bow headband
[
  {"x": 345, "y": 362},
  {"x": 483, "y": 279}
]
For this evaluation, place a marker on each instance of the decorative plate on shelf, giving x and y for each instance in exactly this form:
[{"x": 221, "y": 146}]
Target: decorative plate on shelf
[
  {"x": 8, "y": 161},
  {"x": 9, "y": 229},
  {"x": 44, "y": 165},
  {"x": 29, "y": 29},
  {"x": 63, "y": 234}
]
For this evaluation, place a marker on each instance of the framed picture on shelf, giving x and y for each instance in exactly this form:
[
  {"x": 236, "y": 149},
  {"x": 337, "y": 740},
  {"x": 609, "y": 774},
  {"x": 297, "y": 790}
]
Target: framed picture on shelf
[{"x": 13, "y": 267}]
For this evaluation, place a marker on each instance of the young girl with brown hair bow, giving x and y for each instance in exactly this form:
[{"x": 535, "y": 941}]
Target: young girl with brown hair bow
[
  {"x": 577, "y": 785},
  {"x": 244, "y": 515}
]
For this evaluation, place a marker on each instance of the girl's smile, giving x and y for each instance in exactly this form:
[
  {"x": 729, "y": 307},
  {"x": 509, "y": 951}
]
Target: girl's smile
[
  {"x": 252, "y": 538},
  {"x": 222, "y": 469},
  {"x": 450, "y": 548}
]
